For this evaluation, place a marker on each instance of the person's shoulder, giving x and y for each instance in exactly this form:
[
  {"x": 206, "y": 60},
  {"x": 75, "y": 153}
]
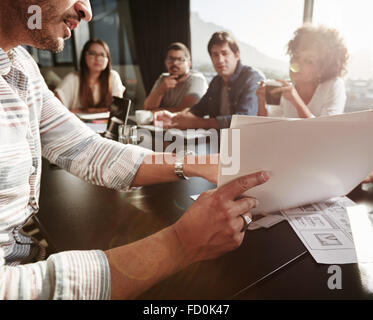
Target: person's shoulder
[
  {"x": 251, "y": 71},
  {"x": 69, "y": 82},
  {"x": 24, "y": 59},
  {"x": 72, "y": 76},
  {"x": 338, "y": 81},
  {"x": 115, "y": 76},
  {"x": 21, "y": 52},
  {"x": 196, "y": 74},
  {"x": 114, "y": 73},
  {"x": 334, "y": 83}
]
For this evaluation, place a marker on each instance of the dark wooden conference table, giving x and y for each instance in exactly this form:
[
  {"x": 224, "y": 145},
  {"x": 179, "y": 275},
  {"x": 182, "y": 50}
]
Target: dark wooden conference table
[{"x": 270, "y": 264}]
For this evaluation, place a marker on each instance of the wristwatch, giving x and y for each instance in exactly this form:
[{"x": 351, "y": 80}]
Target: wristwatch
[{"x": 179, "y": 164}]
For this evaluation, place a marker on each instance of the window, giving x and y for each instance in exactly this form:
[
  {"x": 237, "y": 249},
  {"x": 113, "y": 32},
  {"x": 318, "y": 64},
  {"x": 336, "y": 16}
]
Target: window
[
  {"x": 105, "y": 25},
  {"x": 262, "y": 29},
  {"x": 353, "y": 20},
  {"x": 112, "y": 23}
]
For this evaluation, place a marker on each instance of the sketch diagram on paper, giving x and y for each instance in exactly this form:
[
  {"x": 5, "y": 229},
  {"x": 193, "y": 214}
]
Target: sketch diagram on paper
[
  {"x": 325, "y": 230},
  {"x": 327, "y": 239}
]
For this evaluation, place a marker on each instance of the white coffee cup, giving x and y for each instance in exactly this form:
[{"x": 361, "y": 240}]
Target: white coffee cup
[{"x": 144, "y": 117}]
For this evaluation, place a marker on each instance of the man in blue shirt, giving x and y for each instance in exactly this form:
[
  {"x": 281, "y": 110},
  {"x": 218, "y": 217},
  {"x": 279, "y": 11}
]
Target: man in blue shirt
[{"x": 232, "y": 91}]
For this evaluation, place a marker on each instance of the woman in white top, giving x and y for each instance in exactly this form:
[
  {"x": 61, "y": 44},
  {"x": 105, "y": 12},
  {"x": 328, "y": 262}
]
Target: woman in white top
[
  {"x": 318, "y": 58},
  {"x": 93, "y": 87}
]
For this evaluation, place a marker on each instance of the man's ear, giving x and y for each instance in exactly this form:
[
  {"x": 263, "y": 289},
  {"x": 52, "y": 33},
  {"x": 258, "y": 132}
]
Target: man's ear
[{"x": 237, "y": 55}]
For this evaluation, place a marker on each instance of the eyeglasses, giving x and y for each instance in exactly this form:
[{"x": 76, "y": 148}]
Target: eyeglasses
[
  {"x": 177, "y": 60},
  {"x": 97, "y": 55}
]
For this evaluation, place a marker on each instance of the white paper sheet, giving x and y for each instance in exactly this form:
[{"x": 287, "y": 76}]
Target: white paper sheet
[
  {"x": 308, "y": 160},
  {"x": 325, "y": 230}
]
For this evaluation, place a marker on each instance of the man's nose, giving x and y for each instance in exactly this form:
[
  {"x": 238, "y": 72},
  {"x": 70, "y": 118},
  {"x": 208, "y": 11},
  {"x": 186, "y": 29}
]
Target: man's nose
[
  {"x": 220, "y": 58},
  {"x": 84, "y": 9}
]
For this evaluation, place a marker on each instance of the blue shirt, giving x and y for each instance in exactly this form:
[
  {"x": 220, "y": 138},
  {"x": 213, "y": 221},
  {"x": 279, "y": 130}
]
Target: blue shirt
[{"x": 242, "y": 87}]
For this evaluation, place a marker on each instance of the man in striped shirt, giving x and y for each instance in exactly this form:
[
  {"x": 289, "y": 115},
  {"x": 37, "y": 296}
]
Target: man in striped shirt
[{"x": 33, "y": 123}]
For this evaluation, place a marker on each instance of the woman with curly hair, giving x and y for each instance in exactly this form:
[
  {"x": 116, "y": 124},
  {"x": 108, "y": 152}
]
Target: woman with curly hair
[{"x": 318, "y": 58}]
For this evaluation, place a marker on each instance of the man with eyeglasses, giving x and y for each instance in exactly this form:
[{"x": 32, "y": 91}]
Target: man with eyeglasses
[
  {"x": 180, "y": 87},
  {"x": 232, "y": 91}
]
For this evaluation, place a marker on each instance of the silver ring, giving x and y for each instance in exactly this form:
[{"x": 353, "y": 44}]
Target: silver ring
[{"x": 246, "y": 220}]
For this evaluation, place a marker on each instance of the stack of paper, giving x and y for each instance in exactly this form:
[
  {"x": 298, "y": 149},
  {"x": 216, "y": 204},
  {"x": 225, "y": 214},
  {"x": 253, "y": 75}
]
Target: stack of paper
[{"x": 309, "y": 160}]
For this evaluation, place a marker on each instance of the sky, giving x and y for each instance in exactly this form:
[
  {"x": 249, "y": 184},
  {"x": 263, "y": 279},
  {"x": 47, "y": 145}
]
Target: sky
[
  {"x": 253, "y": 22},
  {"x": 269, "y": 24}
]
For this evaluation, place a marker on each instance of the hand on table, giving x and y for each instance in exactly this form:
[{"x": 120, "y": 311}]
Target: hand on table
[
  {"x": 180, "y": 120},
  {"x": 163, "y": 118}
]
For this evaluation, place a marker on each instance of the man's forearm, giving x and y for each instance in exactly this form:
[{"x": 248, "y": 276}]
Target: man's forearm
[
  {"x": 171, "y": 109},
  {"x": 153, "y": 100},
  {"x": 135, "y": 267},
  {"x": 201, "y": 123},
  {"x": 160, "y": 168}
]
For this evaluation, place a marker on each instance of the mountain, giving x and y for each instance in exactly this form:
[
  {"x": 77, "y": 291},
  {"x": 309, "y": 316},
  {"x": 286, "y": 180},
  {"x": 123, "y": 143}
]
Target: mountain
[{"x": 201, "y": 34}]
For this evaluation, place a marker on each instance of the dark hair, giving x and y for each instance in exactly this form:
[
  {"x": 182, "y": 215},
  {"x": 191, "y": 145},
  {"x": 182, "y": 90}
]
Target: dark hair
[
  {"x": 179, "y": 46},
  {"x": 85, "y": 92},
  {"x": 329, "y": 43},
  {"x": 220, "y": 38}
]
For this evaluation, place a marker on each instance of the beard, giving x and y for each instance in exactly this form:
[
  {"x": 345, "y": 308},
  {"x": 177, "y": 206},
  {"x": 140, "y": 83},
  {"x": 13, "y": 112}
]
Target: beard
[
  {"x": 43, "y": 38},
  {"x": 44, "y": 41}
]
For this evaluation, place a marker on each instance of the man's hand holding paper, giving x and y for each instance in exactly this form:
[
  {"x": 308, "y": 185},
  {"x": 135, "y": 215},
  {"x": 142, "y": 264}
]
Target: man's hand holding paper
[{"x": 310, "y": 160}]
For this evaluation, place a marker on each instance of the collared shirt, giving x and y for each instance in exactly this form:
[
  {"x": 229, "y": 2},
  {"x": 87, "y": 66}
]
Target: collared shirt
[
  {"x": 194, "y": 85},
  {"x": 241, "y": 93},
  {"x": 34, "y": 123}
]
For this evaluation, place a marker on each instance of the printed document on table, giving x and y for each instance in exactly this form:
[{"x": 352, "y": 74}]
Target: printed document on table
[
  {"x": 308, "y": 160},
  {"x": 325, "y": 230}
]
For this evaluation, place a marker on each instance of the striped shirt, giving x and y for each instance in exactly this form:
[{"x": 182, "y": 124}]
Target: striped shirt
[{"x": 33, "y": 123}]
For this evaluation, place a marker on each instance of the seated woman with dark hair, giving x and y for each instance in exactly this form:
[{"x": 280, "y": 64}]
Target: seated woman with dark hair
[
  {"x": 318, "y": 58},
  {"x": 93, "y": 87}
]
